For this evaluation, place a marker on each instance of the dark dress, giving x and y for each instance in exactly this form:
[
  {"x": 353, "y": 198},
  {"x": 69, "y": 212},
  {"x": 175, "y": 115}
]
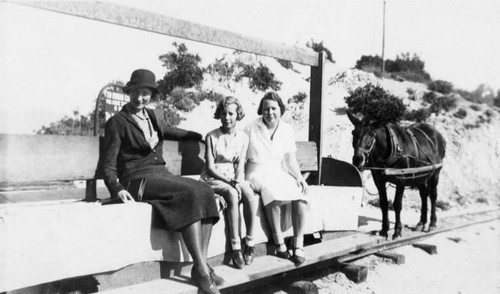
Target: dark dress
[{"x": 128, "y": 159}]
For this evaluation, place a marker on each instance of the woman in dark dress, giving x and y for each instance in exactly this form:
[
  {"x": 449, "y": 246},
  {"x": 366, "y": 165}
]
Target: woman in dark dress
[{"x": 134, "y": 170}]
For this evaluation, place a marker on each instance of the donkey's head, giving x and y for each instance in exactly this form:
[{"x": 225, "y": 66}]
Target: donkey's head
[{"x": 363, "y": 140}]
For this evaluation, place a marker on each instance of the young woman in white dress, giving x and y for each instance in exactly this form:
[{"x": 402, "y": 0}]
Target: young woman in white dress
[{"x": 273, "y": 171}]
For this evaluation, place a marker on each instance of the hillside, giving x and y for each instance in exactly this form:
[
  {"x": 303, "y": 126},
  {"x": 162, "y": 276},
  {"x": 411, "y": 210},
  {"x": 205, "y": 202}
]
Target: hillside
[{"x": 470, "y": 175}]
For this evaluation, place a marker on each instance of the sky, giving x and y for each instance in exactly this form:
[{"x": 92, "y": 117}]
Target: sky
[{"x": 52, "y": 64}]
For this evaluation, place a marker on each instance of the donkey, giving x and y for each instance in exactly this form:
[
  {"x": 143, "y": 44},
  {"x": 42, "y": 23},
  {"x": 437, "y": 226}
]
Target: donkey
[{"x": 383, "y": 146}]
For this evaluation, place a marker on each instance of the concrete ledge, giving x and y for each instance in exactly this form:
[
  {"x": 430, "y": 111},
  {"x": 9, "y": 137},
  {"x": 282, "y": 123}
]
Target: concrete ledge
[{"x": 57, "y": 241}]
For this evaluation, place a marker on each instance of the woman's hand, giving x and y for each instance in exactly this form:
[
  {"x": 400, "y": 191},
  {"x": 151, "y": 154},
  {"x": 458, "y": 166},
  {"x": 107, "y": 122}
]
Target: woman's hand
[
  {"x": 125, "y": 196},
  {"x": 302, "y": 184}
]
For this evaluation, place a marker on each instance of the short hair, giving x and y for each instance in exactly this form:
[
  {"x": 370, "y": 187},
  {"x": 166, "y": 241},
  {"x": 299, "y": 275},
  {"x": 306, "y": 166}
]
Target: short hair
[
  {"x": 274, "y": 97},
  {"x": 223, "y": 103}
]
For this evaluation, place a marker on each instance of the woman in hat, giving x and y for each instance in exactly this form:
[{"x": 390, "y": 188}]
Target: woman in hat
[{"x": 134, "y": 170}]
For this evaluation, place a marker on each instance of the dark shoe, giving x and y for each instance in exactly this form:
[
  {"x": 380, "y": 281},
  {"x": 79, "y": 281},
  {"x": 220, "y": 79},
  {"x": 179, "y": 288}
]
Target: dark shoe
[
  {"x": 282, "y": 254},
  {"x": 298, "y": 259},
  {"x": 249, "y": 254},
  {"x": 203, "y": 282},
  {"x": 216, "y": 279},
  {"x": 237, "y": 259}
]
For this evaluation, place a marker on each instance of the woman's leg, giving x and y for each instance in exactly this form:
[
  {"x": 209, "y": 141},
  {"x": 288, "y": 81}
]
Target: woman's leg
[
  {"x": 249, "y": 208},
  {"x": 193, "y": 238},
  {"x": 299, "y": 208},
  {"x": 233, "y": 216}
]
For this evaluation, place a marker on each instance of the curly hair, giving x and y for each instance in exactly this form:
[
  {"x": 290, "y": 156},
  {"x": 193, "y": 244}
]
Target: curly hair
[
  {"x": 274, "y": 97},
  {"x": 222, "y": 106}
]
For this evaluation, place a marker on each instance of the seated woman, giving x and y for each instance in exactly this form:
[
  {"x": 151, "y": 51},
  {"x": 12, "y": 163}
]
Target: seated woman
[
  {"x": 134, "y": 170},
  {"x": 273, "y": 171},
  {"x": 224, "y": 171}
]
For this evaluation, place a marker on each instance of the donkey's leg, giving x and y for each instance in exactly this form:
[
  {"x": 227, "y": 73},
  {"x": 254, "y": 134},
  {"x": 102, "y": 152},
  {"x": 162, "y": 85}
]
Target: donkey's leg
[
  {"x": 384, "y": 204},
  {"x": 424, "y": 192},
  {"x": 433, "y": 182},
  {"x": 398, "y": 204}
]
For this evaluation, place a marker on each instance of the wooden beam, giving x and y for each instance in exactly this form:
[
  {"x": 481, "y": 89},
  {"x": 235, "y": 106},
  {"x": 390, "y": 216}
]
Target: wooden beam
[
  {"x": 161, "y": 24},
  {"x": 316, "y": 106}
]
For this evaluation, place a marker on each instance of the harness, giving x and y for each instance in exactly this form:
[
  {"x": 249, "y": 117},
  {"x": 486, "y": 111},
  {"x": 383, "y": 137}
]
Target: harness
[{"x": 397, "y": 153}]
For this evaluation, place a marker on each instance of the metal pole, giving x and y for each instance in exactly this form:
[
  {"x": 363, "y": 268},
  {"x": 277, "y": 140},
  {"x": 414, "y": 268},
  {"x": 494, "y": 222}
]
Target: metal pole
[{"x": 383, "y": 42}]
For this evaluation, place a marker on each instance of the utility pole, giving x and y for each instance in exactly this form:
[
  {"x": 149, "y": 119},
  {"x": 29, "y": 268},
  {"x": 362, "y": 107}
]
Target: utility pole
[{"x": 383, "y": 41}]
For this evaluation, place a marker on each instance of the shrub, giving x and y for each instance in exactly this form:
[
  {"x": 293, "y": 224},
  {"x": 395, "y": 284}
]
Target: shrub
[
  {"x": 461, "y": 113},
  {"x": 298, "y": 98},
  {"x": 262, "y": 79},
  {"x": 223, "y": 69},
  {"x": 430, "y": 97},
  {"x": 285, "y": 63},
  {"x": 475, "y": 107},
  {"x": 440, "y": 86},
  {"x": 445, "y": 103},
  {"x": 418, "y": 115},
  {"x": 184, "y": 69},
  {"x": 183, "y": 100},
  {"x": 374, "y": 103},
  {"x": 210, "y": 95},
  {"x": 318, "y": 47},
  {"x": 403, "y": 67}
]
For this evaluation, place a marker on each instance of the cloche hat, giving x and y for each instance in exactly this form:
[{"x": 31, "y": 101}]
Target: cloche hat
[{"x": 142, "y": 78}]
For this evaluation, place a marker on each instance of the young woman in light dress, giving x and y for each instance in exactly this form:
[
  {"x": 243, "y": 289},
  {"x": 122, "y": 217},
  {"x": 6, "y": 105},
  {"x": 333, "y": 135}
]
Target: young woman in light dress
[
  {"x": 273, "y": 171},
  {"x": 225, "y": 157}
]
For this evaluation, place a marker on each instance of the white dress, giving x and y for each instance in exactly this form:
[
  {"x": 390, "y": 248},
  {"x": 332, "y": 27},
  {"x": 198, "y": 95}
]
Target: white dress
[{"x": 265, "y": 167}]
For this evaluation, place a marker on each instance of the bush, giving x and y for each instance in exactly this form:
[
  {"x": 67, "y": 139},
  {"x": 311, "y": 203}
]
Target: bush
[
  {"x": 461, "y": 113},
  {"x": 445, "y": 103},
  {"x": 184, "y": 69},
  {"x": 263, "y": 79},
  {"x": 430, "y": 97},
  {"x": 285, "y": 63},
  {"x": 318, "y": 47},
  {"x": 210, "y": 95},
  {"x": 405, "y": 67},
  {"x": 298, "y": 98},
  {"x": 183, "y": 100},
  {"x": 419, "y": 115},
  {"x": 374, "y": 103},
  {"x": 475, "y": 107},
  {"x": 440, "y": 86}
]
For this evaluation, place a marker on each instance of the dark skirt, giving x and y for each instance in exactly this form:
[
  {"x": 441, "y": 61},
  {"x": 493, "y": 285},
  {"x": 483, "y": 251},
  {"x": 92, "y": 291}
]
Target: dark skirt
[{"x": 177, "y": 201}]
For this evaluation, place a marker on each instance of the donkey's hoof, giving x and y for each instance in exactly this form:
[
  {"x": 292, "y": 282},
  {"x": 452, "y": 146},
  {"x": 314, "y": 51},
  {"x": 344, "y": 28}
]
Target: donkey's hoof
[
  {"x": 383, "y": 233},
  {"x": 432, "y": 228}
]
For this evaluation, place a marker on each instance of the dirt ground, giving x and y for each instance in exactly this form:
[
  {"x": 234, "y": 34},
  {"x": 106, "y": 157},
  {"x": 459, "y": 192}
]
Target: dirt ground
[{"x": 467, "y": 261}]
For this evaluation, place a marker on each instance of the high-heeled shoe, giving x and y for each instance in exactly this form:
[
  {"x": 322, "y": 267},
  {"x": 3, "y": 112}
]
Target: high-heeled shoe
[
  {"x": 216, "y": 279},
  {"x": 203, "y": 282},
  {"x": 237, "y": 259},
  {"x": 280, "y": 253},
  {"x": 299, "y": 258},
  {"x": 249, "y": 254}
]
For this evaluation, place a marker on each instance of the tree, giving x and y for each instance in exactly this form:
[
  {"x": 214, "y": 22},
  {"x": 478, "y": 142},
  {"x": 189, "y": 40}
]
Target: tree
[{"x": 184, "y": 70}]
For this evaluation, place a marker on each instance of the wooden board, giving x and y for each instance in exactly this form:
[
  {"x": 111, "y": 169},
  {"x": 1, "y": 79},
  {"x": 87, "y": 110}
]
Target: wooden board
[{"x": 157, "y": 23}]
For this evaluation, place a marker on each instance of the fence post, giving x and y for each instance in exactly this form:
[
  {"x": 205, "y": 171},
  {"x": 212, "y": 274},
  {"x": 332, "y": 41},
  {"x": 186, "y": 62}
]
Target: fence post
[{"x": 315, "y": 107}]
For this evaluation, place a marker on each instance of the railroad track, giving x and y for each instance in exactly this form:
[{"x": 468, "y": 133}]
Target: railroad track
[{"x": 373, "y": 246}]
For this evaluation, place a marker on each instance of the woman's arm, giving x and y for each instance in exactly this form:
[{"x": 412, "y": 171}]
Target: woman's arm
[
  {"x": 112, "y": 144},
  {"x": 294, "y": 170}
]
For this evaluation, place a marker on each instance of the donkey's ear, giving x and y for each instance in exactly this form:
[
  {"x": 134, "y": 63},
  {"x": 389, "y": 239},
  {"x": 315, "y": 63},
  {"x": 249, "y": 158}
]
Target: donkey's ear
[{"x": 353, "y": 118}]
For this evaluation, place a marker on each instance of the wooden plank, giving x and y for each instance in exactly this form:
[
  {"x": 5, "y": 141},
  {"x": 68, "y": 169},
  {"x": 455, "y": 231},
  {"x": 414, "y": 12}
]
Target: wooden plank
[
  {"x": 27, "y": 158},
  {"x": 411, "y": 170},
  {"x": 157, "y": 23},
  {"x": 307, "y": 156}
]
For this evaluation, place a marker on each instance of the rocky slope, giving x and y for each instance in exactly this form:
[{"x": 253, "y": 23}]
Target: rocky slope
[{"x": 471, "y": 167}]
